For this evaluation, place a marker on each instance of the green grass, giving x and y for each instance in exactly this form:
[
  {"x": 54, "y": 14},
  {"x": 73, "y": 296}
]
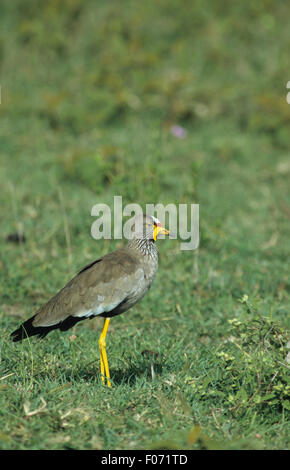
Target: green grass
[{"x": 89, "y": 93}]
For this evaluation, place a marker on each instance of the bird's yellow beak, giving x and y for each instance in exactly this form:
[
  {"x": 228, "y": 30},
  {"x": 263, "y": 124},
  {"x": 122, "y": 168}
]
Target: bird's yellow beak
[{"x": 158, "y": 229}]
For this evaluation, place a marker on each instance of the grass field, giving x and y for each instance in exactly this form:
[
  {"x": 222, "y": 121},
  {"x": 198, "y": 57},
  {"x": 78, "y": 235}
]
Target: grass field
[{"x": 89, "y": 92}]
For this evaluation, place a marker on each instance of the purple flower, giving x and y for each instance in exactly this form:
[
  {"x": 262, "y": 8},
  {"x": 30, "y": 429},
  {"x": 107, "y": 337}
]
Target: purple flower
[{"x": 178, "y": 132}]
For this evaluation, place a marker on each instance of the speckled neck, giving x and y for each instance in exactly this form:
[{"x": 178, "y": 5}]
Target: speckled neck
[{"x": 144, "y": 246}]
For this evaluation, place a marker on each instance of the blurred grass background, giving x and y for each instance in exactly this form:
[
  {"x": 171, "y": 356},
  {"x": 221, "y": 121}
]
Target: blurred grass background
[{"x": 89, "y": 94}]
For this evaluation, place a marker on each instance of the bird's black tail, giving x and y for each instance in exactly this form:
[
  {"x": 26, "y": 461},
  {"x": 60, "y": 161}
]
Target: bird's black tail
[{"x": 26, "y": 329}]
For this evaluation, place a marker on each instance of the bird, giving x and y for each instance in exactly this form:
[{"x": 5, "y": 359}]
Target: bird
[{"x": 107, "y": 287}]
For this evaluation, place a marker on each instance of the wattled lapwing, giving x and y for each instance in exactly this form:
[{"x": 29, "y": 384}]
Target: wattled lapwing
[{"x": 106, "y": 287}]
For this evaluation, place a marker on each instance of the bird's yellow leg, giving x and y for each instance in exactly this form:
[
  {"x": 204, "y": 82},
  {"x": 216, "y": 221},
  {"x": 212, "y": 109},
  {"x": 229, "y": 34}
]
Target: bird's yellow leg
[
  {"x": 102, "y": 367},
  {"x": 103, "y": 354}
]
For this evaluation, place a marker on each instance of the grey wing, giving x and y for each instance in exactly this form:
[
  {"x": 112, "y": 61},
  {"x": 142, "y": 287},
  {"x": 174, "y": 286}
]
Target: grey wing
[
  {"x": 110, "y": 297},
  {"x": 96, "y": 290}
]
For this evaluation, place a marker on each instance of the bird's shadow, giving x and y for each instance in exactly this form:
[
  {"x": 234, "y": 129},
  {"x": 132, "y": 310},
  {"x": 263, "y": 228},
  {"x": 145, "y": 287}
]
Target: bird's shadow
[
  {"x": 123, "y": 376},
  {"x": 128, "y": 376}
]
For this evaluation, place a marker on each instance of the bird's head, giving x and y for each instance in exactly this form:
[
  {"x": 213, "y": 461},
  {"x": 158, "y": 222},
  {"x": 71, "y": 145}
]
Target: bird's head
[{"x": 149, "y": 227}]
